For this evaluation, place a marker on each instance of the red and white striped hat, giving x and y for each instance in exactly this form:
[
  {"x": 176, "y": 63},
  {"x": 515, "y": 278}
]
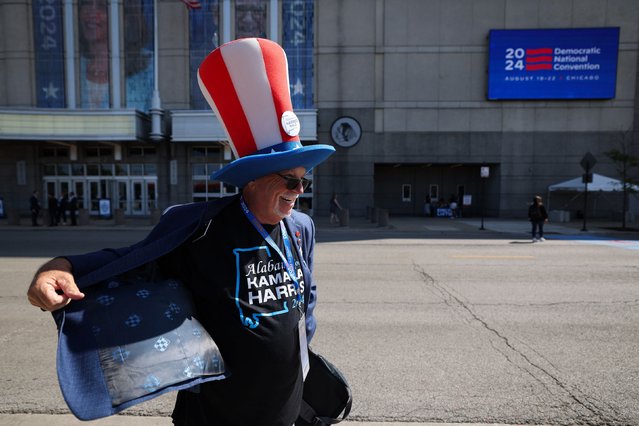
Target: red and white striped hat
[{"x": 246, "y": 84}]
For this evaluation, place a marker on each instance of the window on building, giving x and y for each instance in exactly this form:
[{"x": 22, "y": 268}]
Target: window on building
[
  {"x": 55, "y": 152},
  {"x": 139, "y": 151},
  {"x": 434, "y": 192},
  {"x": 93, "y": 170},
  {"x": 406, "y": 192},
  {"x": 207, "y": 153},
  {"x": 77, "y": 169},
  {"x": 121, "y": 169},
  {"x": 63, "y": 169},
  {"x": 99, "y": 152},
  {"x": 205, "y": 189}
]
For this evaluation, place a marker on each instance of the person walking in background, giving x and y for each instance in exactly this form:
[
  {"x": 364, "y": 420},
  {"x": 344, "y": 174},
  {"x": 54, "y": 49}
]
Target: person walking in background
[
  {"x": 427, "y": 202},
  {"x": 334, "y": 209},
  {"x": 34, "y": 206},
  {"x": 73, "y": 208},
  {"x": 538, "y": 216}
]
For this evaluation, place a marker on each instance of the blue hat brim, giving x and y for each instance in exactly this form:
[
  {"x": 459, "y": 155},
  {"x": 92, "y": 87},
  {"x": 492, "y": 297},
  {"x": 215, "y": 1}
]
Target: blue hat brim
[{"x": 245, "y": 169}]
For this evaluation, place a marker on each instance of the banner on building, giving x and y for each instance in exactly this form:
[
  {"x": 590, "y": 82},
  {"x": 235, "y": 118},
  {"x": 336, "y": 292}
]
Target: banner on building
[
  {"x": 297, "y": 41},
  {"x": 49, "y": 53},
  {"x": 553, "y": 64}
]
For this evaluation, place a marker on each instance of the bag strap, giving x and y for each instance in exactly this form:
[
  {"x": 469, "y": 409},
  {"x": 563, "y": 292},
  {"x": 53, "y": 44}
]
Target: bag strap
[{"x": 309, "y": 415}]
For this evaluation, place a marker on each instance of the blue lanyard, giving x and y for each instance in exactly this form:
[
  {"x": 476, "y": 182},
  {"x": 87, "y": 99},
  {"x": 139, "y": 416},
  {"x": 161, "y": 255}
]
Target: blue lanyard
[{"x": 288, "y": 259}]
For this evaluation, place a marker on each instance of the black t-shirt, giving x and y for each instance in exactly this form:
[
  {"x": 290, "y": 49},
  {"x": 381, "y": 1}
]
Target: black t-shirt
[{"x": 248, "y": 303}]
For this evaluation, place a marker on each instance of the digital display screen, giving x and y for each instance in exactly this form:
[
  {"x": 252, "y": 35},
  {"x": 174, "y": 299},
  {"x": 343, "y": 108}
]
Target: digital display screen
[{"x": 553, "y": 64}]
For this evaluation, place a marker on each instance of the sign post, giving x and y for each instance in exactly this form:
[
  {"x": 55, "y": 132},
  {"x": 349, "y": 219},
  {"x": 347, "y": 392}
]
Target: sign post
[
  {"x": 587, "y": 163},
  {"x": 484, "y": 173}
]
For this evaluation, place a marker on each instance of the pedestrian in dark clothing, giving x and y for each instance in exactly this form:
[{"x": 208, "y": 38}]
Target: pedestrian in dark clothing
[
  {"x": 63, "y": 206},
  {"x": 52, "y": 204},
  {"x": 34, "y": 206},
  {"x": 73, "y": 208},
  {"x": 538, "y": 216},
  {"x": 334, "y": 210}
]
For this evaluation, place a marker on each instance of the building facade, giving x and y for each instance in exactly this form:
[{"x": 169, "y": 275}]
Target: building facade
[{"x": 101, "y": 98}]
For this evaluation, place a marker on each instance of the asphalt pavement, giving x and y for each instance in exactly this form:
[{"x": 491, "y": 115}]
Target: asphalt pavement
[
  {"x": 123, "y": 420},
  {"x": 397, "y": 227}
]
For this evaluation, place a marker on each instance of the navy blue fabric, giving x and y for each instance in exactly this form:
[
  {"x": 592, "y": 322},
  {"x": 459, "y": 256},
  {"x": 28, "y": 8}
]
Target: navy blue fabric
[
  {"x": 80, "y": 373},
  {"x": 105, "y": 366}
]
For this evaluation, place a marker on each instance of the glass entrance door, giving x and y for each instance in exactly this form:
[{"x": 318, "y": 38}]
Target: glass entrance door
[
  {"x": 143, "y": 196},
  {"x": 98, "y": 189},
  {"x": 137, "y": 200}
]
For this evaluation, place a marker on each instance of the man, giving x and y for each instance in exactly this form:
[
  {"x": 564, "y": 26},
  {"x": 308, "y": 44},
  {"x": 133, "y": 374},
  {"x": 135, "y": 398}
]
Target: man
[
  {"x": 247, "y": 259},
  {"x": 73, "y": 208},
  {"x": 34, "y": 206}
]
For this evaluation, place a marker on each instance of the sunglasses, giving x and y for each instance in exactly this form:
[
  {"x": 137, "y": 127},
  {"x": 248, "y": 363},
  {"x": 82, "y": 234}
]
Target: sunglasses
[{"x": 293, "y": 183}]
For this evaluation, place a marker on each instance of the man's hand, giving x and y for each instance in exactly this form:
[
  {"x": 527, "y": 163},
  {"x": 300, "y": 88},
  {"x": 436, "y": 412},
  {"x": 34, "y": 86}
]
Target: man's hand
[{"x": 53, "y": 286}]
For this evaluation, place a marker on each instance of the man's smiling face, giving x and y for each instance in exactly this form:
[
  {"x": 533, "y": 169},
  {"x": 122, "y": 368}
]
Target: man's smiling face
[{"x": 269, "y": 199}]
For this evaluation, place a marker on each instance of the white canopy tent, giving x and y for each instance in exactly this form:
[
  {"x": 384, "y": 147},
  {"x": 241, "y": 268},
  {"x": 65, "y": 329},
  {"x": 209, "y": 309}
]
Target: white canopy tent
[{"x": 600, "y": 185}]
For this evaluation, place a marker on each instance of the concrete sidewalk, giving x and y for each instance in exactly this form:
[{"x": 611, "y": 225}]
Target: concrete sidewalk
[
  {"x": 492, "y": 227},
  {"x": 122, "y": 420},
  {"x": 415, "y": 225}
]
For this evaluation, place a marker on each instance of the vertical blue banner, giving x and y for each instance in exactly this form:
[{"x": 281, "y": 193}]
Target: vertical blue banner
[
  {"x": 138, "y": 53},
  {"x": 203, "y": 38},
  {"x": 49, "y": 53},
  {"x": 297, "y": 41}
]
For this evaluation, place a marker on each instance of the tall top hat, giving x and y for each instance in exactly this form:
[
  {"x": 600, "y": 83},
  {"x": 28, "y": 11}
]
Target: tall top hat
[{"x": 246, "y": 84}]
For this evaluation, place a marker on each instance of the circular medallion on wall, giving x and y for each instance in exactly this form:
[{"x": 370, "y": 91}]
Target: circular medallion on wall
[{"x": 346, "y": 132}]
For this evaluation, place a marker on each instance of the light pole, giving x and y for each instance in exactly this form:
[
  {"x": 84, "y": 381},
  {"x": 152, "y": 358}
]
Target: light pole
[
  {"x": 156, "y": 105},
  {"x": 587, "y": 163},
  {"x": 484, "y": 173}
]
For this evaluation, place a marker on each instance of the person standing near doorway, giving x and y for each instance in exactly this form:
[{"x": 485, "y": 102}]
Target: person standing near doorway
[
  {"x": 34, "y": 206},
  {"x": 73, "y": 208},
  {"x": 538, "y": 216}
]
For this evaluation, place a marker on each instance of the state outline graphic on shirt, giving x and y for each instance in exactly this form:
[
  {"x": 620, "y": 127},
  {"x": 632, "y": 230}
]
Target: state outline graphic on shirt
[{"x": 269, "y": 275}]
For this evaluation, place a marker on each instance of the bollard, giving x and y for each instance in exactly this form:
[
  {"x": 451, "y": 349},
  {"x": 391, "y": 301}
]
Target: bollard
[
  {"x": 343, "y": 217},
  {"x": 382, "y": 219},
  {"x": 118, "y": 215},
  {"x": 83, "y": 217},
  {"x": 374, "y": 214}
]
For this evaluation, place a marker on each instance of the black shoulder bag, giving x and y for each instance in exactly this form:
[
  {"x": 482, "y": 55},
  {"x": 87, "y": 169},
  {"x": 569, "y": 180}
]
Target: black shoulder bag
[{"x": 327, "y": 397}]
